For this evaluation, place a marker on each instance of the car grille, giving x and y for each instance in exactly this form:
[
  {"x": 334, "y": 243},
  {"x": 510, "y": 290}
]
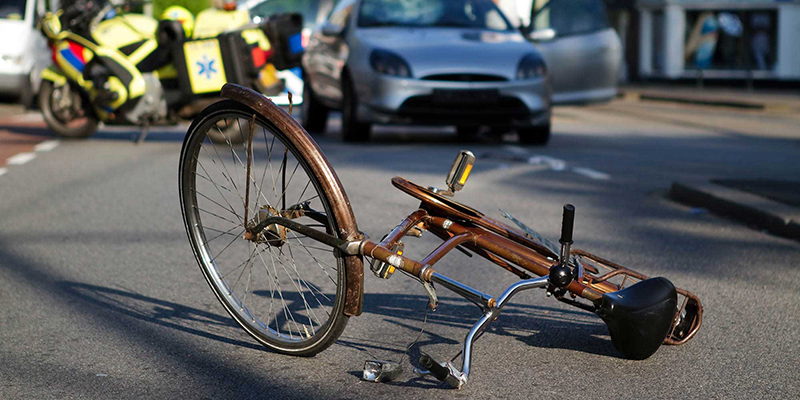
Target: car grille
[
  {"x": 465, "y": 78},
  {"x": 425, "y": 108}
]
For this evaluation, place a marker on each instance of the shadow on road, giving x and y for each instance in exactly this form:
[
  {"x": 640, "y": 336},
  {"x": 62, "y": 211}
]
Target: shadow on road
[{"x": 160, "y": 312}]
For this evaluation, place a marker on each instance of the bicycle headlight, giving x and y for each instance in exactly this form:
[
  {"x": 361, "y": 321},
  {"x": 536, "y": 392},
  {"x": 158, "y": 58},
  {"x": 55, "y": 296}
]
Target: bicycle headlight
[
  {"x": 531, "y": 66},
  {"x": 389, "y": 63}
]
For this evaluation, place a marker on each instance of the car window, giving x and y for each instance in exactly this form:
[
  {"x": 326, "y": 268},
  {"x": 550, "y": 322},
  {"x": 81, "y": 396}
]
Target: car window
[
  {"x": 308, "y": 8},
  {"x": 570, "y": 17},
  {"x": 12, "y": 9},
  {"x": 341, "y": 13},
  {"x": 482, "y": 14}
]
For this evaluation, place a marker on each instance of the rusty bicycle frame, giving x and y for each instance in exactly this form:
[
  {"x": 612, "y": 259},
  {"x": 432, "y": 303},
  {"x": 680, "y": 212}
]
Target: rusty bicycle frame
[{"x": 468, "y": 230}]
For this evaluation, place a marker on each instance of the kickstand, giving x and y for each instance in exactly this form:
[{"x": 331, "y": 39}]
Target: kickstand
[{"x": 145, "y": 131}]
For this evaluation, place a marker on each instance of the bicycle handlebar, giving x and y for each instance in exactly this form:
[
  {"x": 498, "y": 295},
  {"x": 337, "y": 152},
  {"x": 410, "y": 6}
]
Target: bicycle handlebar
[{"x": 567, "y": 221}]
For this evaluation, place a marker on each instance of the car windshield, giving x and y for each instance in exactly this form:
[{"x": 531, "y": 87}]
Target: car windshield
[
  {"x": 308, "y": 8},
  {"x": 426, "y": 13},
  {"x": 570, "y": 17},
  {"x": 12, "y": 9}
]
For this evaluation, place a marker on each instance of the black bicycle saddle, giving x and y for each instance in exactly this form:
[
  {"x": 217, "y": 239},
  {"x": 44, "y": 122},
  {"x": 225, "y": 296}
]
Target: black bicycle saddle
[{"x": 639, "y": 317}]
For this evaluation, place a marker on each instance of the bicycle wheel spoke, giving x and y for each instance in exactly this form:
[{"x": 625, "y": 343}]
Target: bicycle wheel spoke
[
  {"x": 296, "y": 286},
  {"x": 209, "y": 212},
  {"x": 284, "y": 290},
  {"x": 221, "y": 233}
]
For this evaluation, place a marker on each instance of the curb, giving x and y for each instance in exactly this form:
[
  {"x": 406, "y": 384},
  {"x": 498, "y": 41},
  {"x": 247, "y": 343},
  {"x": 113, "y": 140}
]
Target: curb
[
  {"x": 778, "y": 218},
  {"x": 706, "y": 101}
]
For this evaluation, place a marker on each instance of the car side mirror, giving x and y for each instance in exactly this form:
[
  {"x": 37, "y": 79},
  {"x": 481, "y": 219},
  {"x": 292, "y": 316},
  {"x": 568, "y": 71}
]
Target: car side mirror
[
  {"x": 331, "y": 30},
  {"x": 542, "y": 34}
]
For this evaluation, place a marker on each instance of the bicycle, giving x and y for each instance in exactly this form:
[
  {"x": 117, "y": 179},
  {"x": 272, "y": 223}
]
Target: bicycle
[{"x": 284, "y": 256}]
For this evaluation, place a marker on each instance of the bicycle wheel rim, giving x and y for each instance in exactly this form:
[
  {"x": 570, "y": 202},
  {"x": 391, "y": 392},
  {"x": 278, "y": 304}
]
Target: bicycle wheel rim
[{"x": 302, "y": 331}]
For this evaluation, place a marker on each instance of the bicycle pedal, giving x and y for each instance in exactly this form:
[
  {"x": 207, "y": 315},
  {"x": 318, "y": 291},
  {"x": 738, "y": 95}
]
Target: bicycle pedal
[{"x": 381, "y": 371}]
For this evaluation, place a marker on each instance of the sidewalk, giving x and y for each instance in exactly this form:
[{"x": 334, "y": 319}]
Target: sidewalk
[
  {"x": 768, "y": 204},
  {"x": 770, "y": 100}
]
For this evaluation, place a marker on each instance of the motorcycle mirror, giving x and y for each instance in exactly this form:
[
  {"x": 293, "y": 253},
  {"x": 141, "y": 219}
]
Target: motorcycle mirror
[{"x": 460, "y": 170}]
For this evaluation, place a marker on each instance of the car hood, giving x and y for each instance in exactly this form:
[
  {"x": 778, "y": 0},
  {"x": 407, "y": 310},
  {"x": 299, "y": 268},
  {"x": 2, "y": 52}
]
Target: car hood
[{"x": 447, "y": 50}]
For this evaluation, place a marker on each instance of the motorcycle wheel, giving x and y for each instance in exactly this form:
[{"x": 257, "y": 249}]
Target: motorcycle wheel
[{"x": 65, "y": 112}]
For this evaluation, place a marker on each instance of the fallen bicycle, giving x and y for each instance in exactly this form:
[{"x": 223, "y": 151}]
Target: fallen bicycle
[{"x": 283, "y": 253}]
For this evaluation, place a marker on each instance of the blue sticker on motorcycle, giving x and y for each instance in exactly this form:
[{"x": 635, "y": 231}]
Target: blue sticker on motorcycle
[
  {"x": 206, "y": 67},
  {"x": 296, "y": 43}
]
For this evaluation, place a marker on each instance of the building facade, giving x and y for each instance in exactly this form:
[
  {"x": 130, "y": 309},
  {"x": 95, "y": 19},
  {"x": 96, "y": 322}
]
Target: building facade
[{"x": 729, "y": 39}]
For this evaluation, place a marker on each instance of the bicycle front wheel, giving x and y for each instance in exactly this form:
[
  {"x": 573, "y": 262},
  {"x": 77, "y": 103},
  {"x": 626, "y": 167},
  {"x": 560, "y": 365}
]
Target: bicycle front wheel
[{"x": 285, "y": 289}]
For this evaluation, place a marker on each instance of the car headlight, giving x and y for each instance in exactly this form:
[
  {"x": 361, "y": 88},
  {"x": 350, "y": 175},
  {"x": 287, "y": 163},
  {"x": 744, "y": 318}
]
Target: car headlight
[
  {"x": 531, "y": 66},
  {"x": 388, "y": 63}
]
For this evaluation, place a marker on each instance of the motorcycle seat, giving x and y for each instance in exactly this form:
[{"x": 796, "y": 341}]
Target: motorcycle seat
[{"x": 639, "y": 317}]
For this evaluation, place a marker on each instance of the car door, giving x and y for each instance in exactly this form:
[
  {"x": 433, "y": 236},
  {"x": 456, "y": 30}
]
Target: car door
[
  {"x": 327, "y": 53},
  {"x": 581, "y": 49}
]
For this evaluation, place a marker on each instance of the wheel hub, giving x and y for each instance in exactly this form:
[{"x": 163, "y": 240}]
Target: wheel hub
[{"x": 274, "y": 234}]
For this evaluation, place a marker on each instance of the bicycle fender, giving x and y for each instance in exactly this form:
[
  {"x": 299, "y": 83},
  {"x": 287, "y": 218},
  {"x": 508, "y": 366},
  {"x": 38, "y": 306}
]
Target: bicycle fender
[
  {"x": 54, "y": 74},
  {"x": 348, "y": 229}
]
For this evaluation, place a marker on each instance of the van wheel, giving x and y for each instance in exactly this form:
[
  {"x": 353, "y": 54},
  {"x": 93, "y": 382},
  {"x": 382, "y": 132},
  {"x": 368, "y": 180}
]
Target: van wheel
[
  {"x": 65, "y": 112},
  {"x": 26, "y": 96}
]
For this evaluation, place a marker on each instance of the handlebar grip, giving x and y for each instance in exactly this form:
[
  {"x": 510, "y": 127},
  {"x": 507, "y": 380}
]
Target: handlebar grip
[
  {"x": 567, "y": 221},
  {"x": 440, "y": 372}
]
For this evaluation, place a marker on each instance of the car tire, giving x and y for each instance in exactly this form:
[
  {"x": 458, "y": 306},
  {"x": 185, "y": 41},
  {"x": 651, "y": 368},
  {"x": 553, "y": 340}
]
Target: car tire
[
  {"x": 467, "y": 133},
  {"x": 353, "y": 130},
  {"x": 314, "y": 115},
  {"x": 534, "y": 135}
]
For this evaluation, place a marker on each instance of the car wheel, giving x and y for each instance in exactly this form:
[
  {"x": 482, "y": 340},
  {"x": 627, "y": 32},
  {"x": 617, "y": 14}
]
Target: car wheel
[
  {"x": 467, "y": 133},
  {"x": 535, "y": 135},
  {"x": 314, "y": 115},
  {"x": 353, "y": 130}
]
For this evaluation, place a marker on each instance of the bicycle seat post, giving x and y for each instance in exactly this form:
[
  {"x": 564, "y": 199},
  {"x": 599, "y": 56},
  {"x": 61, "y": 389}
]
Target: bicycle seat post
[{"x": 561, "y": 275}]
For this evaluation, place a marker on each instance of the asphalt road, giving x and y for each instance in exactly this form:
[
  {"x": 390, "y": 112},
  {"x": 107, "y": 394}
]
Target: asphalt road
[{"x": 102, "y": 297}]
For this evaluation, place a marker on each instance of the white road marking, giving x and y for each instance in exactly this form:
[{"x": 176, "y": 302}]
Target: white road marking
[
  {"x": 47, "y": 145},
  {"x": 554, "y": 163},
  {"x": 517, "y": 150},
  {"x": 3, "y": 171},
  {"x": 21, "y": 158},
  {"x": 591, "y": 173}
]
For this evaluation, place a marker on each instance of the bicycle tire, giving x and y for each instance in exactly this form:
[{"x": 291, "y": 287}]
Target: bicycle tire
[{"x": 289, "y": 252}]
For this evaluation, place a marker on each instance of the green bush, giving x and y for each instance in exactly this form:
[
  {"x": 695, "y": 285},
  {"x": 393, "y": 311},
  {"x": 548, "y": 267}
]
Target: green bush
[{"x": 195, "y": 6}]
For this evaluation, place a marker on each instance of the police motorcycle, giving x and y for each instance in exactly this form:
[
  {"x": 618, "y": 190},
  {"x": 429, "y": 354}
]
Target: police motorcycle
[{"x": 123, "y": 69}]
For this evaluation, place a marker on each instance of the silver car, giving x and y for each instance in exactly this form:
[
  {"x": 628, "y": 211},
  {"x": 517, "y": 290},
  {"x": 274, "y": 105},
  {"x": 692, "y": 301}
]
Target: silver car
[{"x": 432, "y": 62}]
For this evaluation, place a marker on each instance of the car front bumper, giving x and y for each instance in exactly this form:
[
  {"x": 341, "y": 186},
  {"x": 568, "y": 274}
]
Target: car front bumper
[{"x": 390, "y": 100}]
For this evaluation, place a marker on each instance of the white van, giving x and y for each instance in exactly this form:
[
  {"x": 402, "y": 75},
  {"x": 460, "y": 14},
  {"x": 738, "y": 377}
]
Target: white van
[{"x": 23, "y": 49}]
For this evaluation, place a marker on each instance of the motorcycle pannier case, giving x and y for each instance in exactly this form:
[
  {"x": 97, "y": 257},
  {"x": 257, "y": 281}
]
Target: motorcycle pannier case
[
  {"x": 284, "y": 32},
  {"x": 205, "y": 65}
]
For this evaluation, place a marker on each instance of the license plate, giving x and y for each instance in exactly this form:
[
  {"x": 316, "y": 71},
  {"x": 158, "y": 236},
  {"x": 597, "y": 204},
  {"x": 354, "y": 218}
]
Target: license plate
[{"x": 466, "y": 96}]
